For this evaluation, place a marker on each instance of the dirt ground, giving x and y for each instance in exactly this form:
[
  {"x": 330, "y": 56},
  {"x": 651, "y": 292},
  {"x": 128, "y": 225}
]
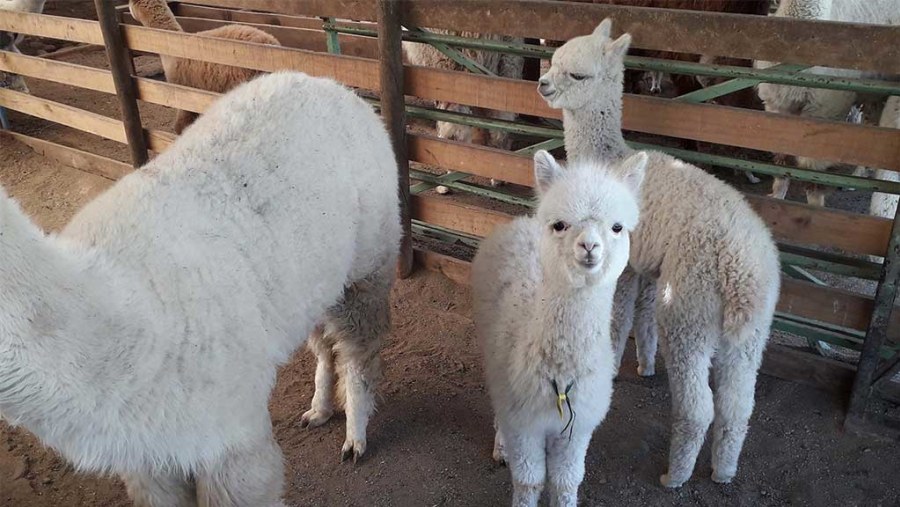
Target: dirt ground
[{"x": 430, "y": 441}]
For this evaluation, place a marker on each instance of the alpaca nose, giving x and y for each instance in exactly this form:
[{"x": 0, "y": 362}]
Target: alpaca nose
[
  {"x": 655, "y": 88},
  {"x": 544, "y": 86},
  {"x": 587, "y": 245}
]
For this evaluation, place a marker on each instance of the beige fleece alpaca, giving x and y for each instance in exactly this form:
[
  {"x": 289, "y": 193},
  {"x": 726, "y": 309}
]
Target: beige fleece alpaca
[{"x": 196, "y": 74}]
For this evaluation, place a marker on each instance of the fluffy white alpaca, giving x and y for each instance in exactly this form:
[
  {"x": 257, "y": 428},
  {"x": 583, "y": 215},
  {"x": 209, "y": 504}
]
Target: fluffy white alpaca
[
  {"x": 817, "y": 102},
  {"x": 882, "y": 204},
  {"x": 144, "y": 339},
  {"x": 713, "y": 259},
  {"x": 543, "y": 293}
]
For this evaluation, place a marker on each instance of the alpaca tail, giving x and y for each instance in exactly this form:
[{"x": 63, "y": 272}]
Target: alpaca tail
[{"x": 748, "y": 297}]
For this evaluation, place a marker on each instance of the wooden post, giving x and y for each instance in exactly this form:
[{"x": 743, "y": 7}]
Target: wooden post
[
  {"x": 122, "y": 70},
  {"x": 393, "y": 110}
]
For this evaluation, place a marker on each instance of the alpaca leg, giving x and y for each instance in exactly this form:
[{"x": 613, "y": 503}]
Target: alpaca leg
[
  {"x": 646, "y": 337},
  {"x": 565, "y": 467},
  {"x": 526, "y": 458},
  {"x": 499, "y": 139},
  {"x": 780, "y": 187},
  {"x": 499, "y": 453},
  {"x": 815, "y": 195},
  {"x": 183, "y": 120},
  {"x": 252, "y": 476},
  {"x": 692, "y": 402},
  {"x": 735, "y": 369},
  {"x": 322, "y": 406},
  {"x": 623, "y": 312},
  {"x": 358, "y": 323},
  {"x": 160, "y": 490}
]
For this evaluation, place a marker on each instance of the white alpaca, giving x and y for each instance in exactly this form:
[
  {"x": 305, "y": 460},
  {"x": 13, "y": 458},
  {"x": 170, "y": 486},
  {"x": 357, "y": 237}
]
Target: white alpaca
[
  {"x": 817, "y": 102},
  {"x": 144, "y": 339},
  {"x": 9, "y": 42},
  {"x": 714, "y": 262},
  {"x": 543, "y": 293}
]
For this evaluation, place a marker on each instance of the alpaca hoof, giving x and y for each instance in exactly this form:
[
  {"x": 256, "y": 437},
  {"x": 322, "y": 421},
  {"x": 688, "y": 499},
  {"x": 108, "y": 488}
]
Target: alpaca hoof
[
  {"x": 497, "y": 183},
  {"x": 442, "y": 190},
  {"x": 313, "y": 418},
  {"x": 722, "y": 478},
  {"x": 667, "y": 481},
  {"x": 753, "y": 179},
  {"x": 499, "y": 456},
  {"x": 355, "y": 448},
  {"x": 646, "y": 371}
]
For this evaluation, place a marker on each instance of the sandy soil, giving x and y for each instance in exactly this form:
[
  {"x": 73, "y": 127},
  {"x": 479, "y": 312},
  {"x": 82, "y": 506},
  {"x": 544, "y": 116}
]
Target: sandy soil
[{"x": 430, "y": 440}]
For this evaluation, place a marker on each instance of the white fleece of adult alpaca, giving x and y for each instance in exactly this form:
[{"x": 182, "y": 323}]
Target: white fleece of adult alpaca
[
  {"x": 817, "y": 102},
  {"x": 146, "y": 336},
  {"x": 542, "y": 304},
  {"x": 714, "y": 261},
  {"x": 882, "y": 204}
]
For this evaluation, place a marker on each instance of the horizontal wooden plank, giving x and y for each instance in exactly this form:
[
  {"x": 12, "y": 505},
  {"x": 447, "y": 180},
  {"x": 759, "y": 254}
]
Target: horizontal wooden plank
[
  {"x": 790, "y": 222},
  {"x": 298, "y": 38},
  {"x": 453, "y": 268},
  {"x": 797, "y": 223},
  {"x": 774, "y": 39},
  {"x": 86, "y": 121},
  {"x": 807, "y": 137},
  {"x": 53, "y": 27},
  {"x": 263, "y": 18},
  {"x": 91, "y": 78},
  {"x": 824, "y": 304},
  {"x": 72, "y": 157},
  {"x": 351, "y": 71},
  {"x": 469, "y": 158}
]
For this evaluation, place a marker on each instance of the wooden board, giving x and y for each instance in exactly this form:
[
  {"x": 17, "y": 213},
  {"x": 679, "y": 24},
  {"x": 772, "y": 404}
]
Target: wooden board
[
  {"x": 72, "y": 157},
  {"x": 807, "y": 137},
  {"x": 774, "y": 39},
  {"x": 351, "y": 71},
  {"x": 310, "y": 39},
  {"x": 790, "y": 222},
  {"x": 824, "y": 304}
]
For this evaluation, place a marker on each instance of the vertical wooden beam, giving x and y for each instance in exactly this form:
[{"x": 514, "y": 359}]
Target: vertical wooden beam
[
  {"x": 393, "y": 110},
  {"x": 885, "y": 295},
  {"x": 122, "y": 70}
]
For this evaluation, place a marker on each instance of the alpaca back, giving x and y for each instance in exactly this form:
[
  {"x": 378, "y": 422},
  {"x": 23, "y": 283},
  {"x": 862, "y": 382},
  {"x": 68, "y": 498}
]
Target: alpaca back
[{"x": 228, "y": 248}]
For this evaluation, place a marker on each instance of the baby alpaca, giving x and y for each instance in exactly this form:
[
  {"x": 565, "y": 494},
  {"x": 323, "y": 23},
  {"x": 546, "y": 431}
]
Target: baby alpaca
[
  {"x": 543, "y": 292},
  {"x": 194, "y": 73},
  {"x": 714, "y": 263},
  {"x": 144, "y": 339}
]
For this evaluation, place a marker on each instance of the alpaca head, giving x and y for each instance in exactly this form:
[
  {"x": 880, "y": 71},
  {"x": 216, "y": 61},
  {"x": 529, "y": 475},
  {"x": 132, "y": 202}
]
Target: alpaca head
[
  {"x": 584, "y": 68},
  {"x": 152, "y": 13},
  {"x": 586, "y": 213}
]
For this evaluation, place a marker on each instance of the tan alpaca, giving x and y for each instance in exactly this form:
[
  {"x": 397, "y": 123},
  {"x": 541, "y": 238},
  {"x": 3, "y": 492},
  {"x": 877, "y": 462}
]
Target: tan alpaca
[{"x": 196, "y": 74}]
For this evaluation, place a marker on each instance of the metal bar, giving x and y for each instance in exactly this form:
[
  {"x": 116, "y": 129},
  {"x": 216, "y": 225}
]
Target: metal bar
[
  {"x": 731, "y": 86},
  {"x": 770, "y": 75},
  {"x": 428, "y": 184},
  {"x": 332, "y": 41},
  {"x": 122, "y": 71},
  {"x": 829, "y": 263},
  {"x": 876, "y": 335},
  {"x": 393, "y": 110},
  {"x": 454, "y": 183},
  {"x": 550, "y": 144}
]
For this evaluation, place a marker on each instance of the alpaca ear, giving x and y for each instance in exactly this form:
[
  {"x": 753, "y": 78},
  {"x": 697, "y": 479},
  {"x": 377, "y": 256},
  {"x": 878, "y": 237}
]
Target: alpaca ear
[
  {"x": 603, "y": 30},
  {"x": 546, "y": 170},
  {"x": 619, "y": 47},
  {"x": 633, "y": 170}
]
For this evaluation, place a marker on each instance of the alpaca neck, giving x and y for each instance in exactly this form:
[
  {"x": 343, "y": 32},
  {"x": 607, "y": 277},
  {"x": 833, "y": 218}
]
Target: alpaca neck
[
  {"x": 52, "y": 304},
  {"x": 573, "y": 326},
  {"x": 161, "y": 18},
  {"x": 805, "y": 9},
  {"x": 594, "y": 132}
]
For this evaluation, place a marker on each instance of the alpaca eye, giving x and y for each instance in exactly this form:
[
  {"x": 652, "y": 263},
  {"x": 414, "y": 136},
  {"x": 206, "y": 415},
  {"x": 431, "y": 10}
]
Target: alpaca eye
[
  {"x": 617, "y": 228},
  {"x": 578, "y": 77},
  {"x": 560, "y": 226}
]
